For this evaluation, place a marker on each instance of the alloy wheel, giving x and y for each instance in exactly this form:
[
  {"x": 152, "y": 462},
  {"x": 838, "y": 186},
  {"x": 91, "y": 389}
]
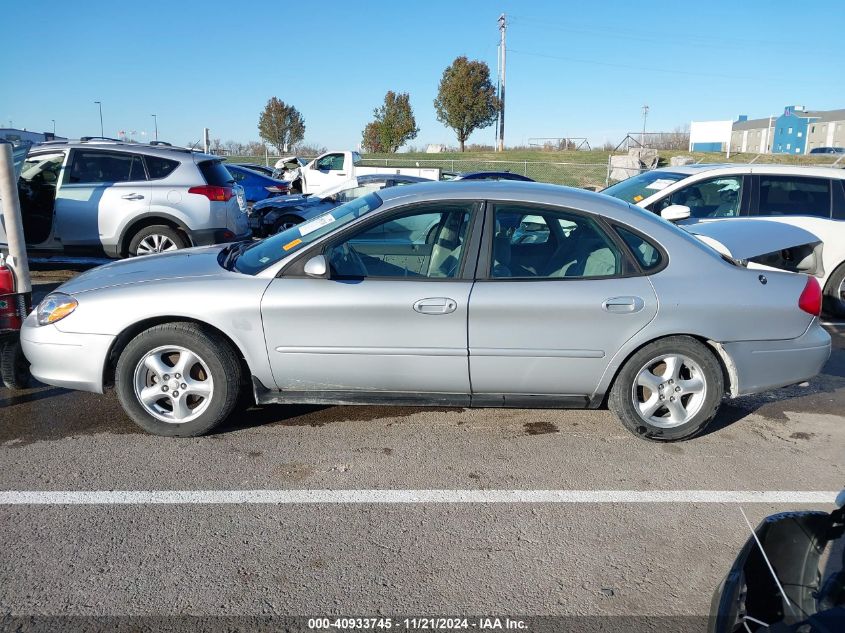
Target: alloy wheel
[
  {"x": 669, "y": 390},
  {"x": 173, "y": 384},
  {"x": 156, "y": 243}
]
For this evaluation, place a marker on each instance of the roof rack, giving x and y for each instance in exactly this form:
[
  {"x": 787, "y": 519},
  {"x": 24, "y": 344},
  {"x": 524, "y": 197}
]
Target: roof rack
[
  {"x": 86, "y": 139},
  {"x": 164, "y": 143}
]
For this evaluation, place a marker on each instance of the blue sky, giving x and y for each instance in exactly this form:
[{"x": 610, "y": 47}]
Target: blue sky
[{"x": 573, "y": 69}]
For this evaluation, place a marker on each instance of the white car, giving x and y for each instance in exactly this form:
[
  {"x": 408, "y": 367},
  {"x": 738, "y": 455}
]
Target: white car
[{"x": 812, "y": 198}]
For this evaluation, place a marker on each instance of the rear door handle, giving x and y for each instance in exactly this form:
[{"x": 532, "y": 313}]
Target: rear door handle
[
  {"x": 133, "y": 196},
  {"x": 623, "y": 304},
  {"x": 436, "y": 305}
]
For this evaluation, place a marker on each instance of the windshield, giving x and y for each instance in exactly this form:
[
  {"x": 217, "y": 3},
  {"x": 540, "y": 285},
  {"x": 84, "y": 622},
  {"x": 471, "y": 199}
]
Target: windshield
[
  {"x": 640, "y": 187},
  {"x": 267, "y": 252}
]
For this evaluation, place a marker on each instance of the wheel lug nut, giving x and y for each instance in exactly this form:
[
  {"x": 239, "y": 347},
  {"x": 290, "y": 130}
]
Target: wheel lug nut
[
  {"x": 184, "y": 386},
  {"x": 671, "y": 382},
  {"x": 177, "y": 376},
  {"x": 164, "y": 388},
  {"x": 166, "y": 377},
  {"x": 176, "y": 394},
  {"x": 662, "y": 397},
  {"x": 672, "y": 399}
]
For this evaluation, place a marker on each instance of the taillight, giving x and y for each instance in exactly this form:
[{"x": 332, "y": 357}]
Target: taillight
[
  {"x": 810, "y": 300},
  {"x": 215, "y": 194}
]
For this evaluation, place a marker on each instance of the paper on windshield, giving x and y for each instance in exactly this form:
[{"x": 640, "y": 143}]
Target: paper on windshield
[
  {"x": 660, "y": 183},
  {"x": 316, "y": 223}
]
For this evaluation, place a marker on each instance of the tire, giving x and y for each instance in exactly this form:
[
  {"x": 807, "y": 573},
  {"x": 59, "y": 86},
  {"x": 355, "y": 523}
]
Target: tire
[
  {"x": 286, "y": 221},
  {"x": 157, "y": 238},
  {"x": 697, "y": 383},
  {"x": 834, "y": 304},
  {"x": 152, "y": 359},
  {"x": 14, "y": 367}
]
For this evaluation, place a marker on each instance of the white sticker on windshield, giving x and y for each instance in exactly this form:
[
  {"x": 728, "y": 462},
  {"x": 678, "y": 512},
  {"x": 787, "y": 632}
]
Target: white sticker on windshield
[
  {"x": 660, "y": 183},
  {"x": 316, "y": 223}
]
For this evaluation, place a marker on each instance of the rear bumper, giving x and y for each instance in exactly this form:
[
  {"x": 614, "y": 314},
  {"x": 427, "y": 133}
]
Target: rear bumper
[
  {"x": 63, "y": 359},
  {"x": 763, "y": 365},
  {"x": 207, "y": 237}
]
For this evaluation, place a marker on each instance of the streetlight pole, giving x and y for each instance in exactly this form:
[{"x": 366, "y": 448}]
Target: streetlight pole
[
  {"x": 155, "y": 120},
  {"x": 645, "y": 116},
  {"x": 502, "y": 28},
  {"x": 54, "y": 126},
  {"x": 99, "y": 103}
]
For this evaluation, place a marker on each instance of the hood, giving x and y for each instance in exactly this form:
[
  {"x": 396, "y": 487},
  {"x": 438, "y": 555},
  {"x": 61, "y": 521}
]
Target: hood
[
  {"x": 278, "y": 202},
  {"x": 762, "y": 241},
  {"x": 181, "y": 264}
]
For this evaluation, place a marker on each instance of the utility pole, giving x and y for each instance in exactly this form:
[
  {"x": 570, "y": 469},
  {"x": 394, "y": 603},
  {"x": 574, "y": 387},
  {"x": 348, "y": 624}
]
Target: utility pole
[
  {"x": 99, "y": 103},
  {"x": 155, "y": 120},
  {"x": 645, "y": 116},
  {"x": 502, "y": 28},
  {"x": 54, "y": 126}
]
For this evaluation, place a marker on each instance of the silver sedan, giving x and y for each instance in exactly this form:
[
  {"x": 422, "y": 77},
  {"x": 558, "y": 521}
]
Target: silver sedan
[{"x": 431, "y": 294}]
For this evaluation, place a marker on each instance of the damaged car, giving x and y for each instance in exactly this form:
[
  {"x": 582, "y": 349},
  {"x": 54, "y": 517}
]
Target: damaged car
[{"x": 278, "y": 214}]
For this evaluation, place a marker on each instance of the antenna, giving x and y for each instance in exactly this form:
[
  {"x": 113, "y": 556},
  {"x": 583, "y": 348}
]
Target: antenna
[{"x": 768, "y": 563}]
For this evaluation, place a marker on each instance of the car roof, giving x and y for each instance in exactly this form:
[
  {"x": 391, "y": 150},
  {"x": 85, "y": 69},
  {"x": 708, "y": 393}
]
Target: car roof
[
  {"x": 506, "y": 190},
  {"x": 388, "y": 176},
  {"x": 164, "y": 151},
  {"x": 760, "y": 168}
]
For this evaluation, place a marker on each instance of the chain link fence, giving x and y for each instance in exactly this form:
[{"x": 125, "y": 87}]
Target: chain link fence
[{"x": 584, "y": 175}]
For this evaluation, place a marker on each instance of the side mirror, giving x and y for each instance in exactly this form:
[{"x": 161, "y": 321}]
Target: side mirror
[
  {"x": 675, "y": 212},
  {"x": 316, "y": 266}
]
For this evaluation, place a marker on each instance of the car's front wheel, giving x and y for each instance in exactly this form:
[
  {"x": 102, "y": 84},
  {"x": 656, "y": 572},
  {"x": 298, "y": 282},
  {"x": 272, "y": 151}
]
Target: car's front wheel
[
  {"x": 669, "y": 390},
  {"x": 286, "y": 222},
  {"x": 178, "y": 379}
]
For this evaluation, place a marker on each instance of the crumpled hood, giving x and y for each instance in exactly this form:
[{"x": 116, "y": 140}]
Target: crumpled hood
[
  {"x": 747, "y": 238},
  {"x": 181, "y": 264}
]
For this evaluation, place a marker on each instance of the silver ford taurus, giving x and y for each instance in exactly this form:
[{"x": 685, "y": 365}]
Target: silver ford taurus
[{"x": 483, "y": 294}]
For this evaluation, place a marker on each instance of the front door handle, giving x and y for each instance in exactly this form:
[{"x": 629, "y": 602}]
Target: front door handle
[
  {"x": 623, "y": 304},
  {"x": 133, "y": 196},
  {"x": 436, "y": 305}
]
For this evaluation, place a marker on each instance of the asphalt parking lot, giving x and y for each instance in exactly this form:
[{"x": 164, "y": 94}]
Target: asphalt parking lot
[{"x": 660, "y": 551}]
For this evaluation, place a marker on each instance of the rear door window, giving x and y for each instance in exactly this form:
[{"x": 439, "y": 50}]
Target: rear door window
[
  {"x": 216, "y": 174},
  {"x": 794, "y": 195}
]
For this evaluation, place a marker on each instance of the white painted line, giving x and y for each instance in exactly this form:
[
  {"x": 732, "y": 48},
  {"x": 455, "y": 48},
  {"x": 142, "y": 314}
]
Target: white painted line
[{"x": 145, "y": 497}]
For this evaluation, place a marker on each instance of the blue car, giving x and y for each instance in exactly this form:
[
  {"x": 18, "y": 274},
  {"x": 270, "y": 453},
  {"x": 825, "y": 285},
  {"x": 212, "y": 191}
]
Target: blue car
[{"x": 257, "y": 186}]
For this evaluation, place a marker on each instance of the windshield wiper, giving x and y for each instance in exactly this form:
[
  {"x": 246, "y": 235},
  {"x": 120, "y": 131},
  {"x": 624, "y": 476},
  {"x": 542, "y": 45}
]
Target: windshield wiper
[{"x": 232, "y": 252}]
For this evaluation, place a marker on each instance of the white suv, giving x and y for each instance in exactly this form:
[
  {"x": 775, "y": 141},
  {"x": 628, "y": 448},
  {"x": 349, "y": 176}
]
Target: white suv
[
  {"x": 812, "y": 198},
  {"x": 99, "y": 196}
]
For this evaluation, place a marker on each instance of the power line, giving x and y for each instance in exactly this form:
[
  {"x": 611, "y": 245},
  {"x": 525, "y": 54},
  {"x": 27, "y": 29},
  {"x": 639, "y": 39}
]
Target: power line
[{"x": 651, "y": 69}]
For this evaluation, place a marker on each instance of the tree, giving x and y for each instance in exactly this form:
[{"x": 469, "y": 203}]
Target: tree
[
  {"x": 393, "y": 124},
  {"x": 281, "y": 125},
  {"x": 466, "y": 100}
]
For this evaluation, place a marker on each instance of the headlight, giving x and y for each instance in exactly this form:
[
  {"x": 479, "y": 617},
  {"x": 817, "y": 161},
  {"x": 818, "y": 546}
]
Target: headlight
[{"x": 55, "y": 307}]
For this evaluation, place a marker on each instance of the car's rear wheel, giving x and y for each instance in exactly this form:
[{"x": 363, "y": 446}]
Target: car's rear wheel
[
  {"x": 157, "y": 238},
  {"x": 178, "y": 379},
  {"x": 286, "y": 222},
  {"x": 834, "y": 293},
  {"x": 669, "y": 390}
]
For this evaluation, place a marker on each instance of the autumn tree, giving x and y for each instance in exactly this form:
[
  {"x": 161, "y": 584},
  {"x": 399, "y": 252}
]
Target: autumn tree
[
  {"x": 466, "y": 100},
  {"x": 392, "y": 126},
  {"x": 281, "y": 125}
]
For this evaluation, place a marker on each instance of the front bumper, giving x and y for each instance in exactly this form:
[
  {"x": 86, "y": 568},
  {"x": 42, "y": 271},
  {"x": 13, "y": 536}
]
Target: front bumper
[
  {"x": 763, "y": 365},
  {"x": 64, "y": 359}
]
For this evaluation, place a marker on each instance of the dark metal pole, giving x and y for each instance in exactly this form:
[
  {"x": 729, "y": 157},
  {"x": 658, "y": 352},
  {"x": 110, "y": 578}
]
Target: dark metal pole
[
  {"x": 501, "y": 145},
  {"x": 99, "y": 103}
]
